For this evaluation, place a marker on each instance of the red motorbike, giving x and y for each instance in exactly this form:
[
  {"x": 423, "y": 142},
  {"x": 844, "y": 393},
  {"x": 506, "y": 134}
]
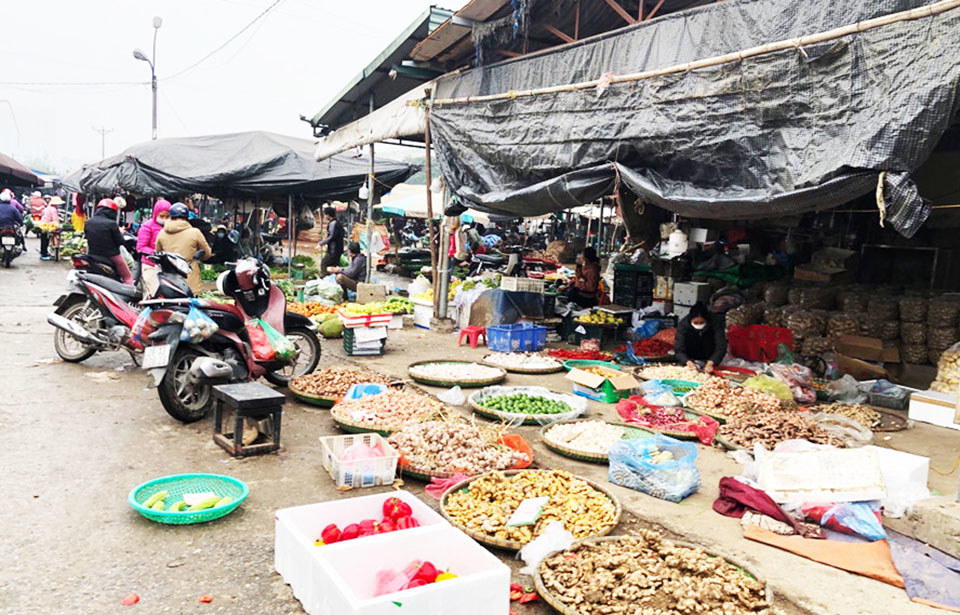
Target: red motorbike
[{"x": 186, "y": 366}]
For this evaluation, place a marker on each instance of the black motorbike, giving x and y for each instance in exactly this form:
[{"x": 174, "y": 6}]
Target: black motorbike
[
  {"x": 11, "y": 243},
  {"x": 99, "y": 265}
]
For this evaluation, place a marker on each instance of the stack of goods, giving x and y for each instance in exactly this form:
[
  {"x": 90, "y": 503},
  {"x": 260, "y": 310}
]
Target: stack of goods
[
  {"x": 818, "y": 297},
  {"x": 859, "y": 413},
  {"x": 523, "y": 362},
  {"x": 592, "y": 437},
  {"x": 840, "y": 324},
  {"x": 772, "y": 428},
  {"x": 604, "y": 319},
  {"x": 746, "y": 315},
  {"x": 644, "y": 574},
  {"x": 334, "y": 382},
  {"x": 804, "y": 324},
  {"x": 386, "y": 412},
  {"x": 485, "y": 507},
  {"x": 365, "y": 328},
  {"x": 671, "y": 372},
  {"x": 913, "y": 329},
  {"x": 719, "y": 399},
  {"x": 853, "y": 301},
  {"x": 445, "y": 448},
  {"x": 882, "y": 319},
  {"x": 775, "y": 295},
  {"x": 942, "y": 316},
  {"x": 948, "y": 372},
  {"x": 773, "y": 316}
]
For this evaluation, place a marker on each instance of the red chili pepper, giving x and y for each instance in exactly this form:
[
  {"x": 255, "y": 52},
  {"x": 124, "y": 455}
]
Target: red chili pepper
[
  {"x": 330, "y": 534},
  {"x": 387, "y": 526},
  {"x": 528, "y": 597},
  {"x": 206, "y": 599},
  {"x": 350, "y": 532},
  {"x": 427, "y": 572},
  {"x": 515, "y": 594},
  {"x": 130, "y": 599},
  {"x": 394, "y": 508}
]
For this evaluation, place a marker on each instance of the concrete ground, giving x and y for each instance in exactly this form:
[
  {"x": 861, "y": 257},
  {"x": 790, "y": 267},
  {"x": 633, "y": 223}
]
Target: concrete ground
[{"x": 77, "y": 438}]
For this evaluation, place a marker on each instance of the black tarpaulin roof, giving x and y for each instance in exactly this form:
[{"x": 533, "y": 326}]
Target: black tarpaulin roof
[
  {"x": 14, "y": 173},
  {"x": 234, "y": 165},
  {"x": 778, "y": 133}
]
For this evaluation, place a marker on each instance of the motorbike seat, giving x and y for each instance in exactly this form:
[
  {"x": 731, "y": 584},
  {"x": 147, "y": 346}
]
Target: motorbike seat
[
  {"x": 124, "y": 290},
  {"x": 490, "y": 258}
]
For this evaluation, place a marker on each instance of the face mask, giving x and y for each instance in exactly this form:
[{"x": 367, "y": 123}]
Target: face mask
[
  {"x": 699, "y": 327},
  {"x": 221, "y": 235},
  {"x": 161, "y": 221}
]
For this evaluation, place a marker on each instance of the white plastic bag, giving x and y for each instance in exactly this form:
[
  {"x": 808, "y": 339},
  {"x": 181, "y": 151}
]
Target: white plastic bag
[
  {"x": 454, "y": 396},
  {"x": 553, "y": 538},
  {"x": 420, "y": 285}
]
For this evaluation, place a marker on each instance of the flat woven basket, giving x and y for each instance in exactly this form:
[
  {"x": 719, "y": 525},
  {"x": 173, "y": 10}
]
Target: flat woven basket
[
  {"x": 521, "y": 370},
  {"x": 514, "y": 545},
  {"x": 562, "y": 608},
  {"x": 351, "y": 426},
  {"x": 633, "y": 432},
  {"x": 465, "y": 383},
  {"x": 309, "y": 398},
  {"x": 531, "y": 419},
  {"x": 179, "y": 484}
]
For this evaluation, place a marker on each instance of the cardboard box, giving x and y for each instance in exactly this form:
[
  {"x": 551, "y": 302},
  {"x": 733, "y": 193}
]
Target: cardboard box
[
  {"x": 599, "y": 388},
  {"x": 664, "y": 288},
  {"x": 835, "y": 258},
  {"x": 808, "y": 273},
  {"x": 934, "y": 407},
  {"x": 689, "y": 293},
  {"x": 861, "y": 370},
  {"x": 368, "y": 293},
  {"x": 867, "y": 348}
]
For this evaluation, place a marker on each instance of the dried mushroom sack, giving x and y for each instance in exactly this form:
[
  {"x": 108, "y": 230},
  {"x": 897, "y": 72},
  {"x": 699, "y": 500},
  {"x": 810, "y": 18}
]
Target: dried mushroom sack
[
  {"x": 740, "y": 316},
  {"x": 841, "y": 323},
  {"x": 853, "y": 303},
  {"x": 941, "y": 338},
  {"x": 776, "y": 295},
  {"x": 914, "y": 353},
  {"x": 942, "y": 313},
  {"x": 795, "y": 295},
  {"x": 890, "y": 330},
  {"x": 818, "y": 297},
  {"x": 806, "y": 324},
  {"x": 773, "y": 317},
  {"x": 913, "y": 309},
  {"x": 914, "y": 333},
  {"x": 870, "y": 325},
  {"x": 816, "y": 345},
  {"x": 883, "y": 307}
]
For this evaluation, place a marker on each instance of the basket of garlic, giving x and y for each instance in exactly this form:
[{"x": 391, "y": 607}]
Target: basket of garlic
[
  {"x": 588, "y": 439},
  {"x": 465, "y": 374}
]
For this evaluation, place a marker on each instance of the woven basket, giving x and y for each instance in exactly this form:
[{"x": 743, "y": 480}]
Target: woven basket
[
  {"x": 514, "y": 545},
  {"x": 464, "y": 383},
  {"x": 677, "y": 435},
  {"x": 309, "y": 398},
  {"x": 633, "y": 432},
  {"x": 532, "y": 419},
  {"x": 520, "y": 370},
  {"x": 562, "y": 608}
]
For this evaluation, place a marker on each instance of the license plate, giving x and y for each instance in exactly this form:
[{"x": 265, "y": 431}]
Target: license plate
[
  {"x": 156, "y": 356},
  {"x": 8, "y": 240}
]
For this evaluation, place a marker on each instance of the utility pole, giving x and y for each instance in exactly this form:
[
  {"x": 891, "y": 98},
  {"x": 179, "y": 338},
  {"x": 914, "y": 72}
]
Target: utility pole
[
  {"x": 103, "y": 131},
  {"x": 139, "y": 55}
]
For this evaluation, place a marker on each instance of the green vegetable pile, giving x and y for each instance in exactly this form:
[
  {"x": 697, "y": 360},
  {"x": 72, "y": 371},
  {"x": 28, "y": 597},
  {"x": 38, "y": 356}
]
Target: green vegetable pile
[
  {"x": 398, "y": 305},
  {"x": 70, "y": 242},
  {"x": 771, "y": 386},
  {"x": 522, "y": 403},
  {"x": 289, "y": 291}
]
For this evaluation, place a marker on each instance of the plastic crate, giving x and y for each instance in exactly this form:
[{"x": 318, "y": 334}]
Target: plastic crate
[
  {"x": 516, "y": 338},
  {"x": 522, "y": 285},
  {"x": 352, "y": 348},
  {"x": 365, "y": 320},
  {"x": 363, "y": 472}
]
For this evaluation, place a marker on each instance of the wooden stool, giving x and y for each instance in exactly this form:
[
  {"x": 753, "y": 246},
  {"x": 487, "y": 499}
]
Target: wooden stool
[
  {"x": 473, "y": 333},
  {"x": 247, "y": 400}
]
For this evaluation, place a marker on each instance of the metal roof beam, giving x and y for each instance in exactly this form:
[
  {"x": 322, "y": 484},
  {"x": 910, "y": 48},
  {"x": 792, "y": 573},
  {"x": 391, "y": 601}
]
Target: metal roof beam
[{"x": 622, "y": 13}]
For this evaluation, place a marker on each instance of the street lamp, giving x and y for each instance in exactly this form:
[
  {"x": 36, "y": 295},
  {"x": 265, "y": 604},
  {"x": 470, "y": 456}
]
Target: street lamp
[{"x": 139, "y": 55}]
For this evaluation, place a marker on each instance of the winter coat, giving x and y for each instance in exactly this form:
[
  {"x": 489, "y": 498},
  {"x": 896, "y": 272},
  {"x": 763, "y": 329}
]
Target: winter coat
[
  {"x": 707, "y": 344},
  {"x": 50, "y": 215},
  {"x": 102, "y": 233},
  {"x": 9, "y": 215},
  {"x": 149, "y": 230},
  {"x": 587, "y": 279},
  {"x": 180, "y": 238}
]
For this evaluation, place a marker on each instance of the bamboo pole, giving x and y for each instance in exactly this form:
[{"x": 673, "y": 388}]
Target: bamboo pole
[
  {"x": 794, "y": 43},
  {"x": 435, "y": 277}
]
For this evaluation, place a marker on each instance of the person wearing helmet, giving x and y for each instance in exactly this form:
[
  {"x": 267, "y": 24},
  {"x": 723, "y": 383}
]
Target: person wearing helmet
[
  {"x": 179, "y": 237},
  {"x": 104, "y": 238}
]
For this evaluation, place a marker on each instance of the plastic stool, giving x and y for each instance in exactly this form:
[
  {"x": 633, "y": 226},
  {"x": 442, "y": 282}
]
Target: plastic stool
[{"x": 473, "y": 333}]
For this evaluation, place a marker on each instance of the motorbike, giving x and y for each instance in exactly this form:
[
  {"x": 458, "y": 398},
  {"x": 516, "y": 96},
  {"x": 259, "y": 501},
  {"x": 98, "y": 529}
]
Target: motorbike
[
  {"x": 11, "y": 242},
  {"x": 97, "y": 313},
  {"x": 509, "y": 263},
  {"x": 101, "y": 265},
  {"x": 185, "y": 368}
]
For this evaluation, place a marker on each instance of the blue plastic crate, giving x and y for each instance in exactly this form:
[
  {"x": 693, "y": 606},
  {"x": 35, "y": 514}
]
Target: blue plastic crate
[{"x": 516, "y": 338}]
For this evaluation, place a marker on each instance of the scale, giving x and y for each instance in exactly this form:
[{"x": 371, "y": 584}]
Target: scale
[{"x": 616, "y": 310}]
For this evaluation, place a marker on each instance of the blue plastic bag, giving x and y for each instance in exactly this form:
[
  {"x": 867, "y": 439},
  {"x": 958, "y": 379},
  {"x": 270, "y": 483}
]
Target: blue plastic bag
[
  {"x": 640, "y": 465},
  {"x": 647, "y": 328},
  {"x": 364, "y": 389},
  {"x": 859, "y": 518}
]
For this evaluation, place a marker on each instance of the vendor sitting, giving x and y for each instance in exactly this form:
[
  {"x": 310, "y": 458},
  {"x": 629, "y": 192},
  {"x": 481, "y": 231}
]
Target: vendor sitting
[
  {"x": 586, "y": 280},
  {"x": 700, "y": 341},
  {"x": 357, "y": 270}
]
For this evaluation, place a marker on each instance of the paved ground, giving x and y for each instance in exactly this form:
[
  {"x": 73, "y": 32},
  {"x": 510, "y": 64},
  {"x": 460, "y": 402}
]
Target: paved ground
[{"x": 78, "y": 437}]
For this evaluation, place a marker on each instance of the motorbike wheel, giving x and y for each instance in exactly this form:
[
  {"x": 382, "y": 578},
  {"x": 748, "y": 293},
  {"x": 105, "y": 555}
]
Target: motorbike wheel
[
  {"x": 308, "y": 344},
  {"x": 69, "y": 348},
  {"x": 7, "y": 258},
  {"x": 182, "y": 400}
]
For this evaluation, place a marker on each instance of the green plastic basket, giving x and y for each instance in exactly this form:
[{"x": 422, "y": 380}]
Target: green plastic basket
[
  {"x": 681, "y": 387},
  {"x": 582, "y": 363},
  {"x": 179, "y": 484}
]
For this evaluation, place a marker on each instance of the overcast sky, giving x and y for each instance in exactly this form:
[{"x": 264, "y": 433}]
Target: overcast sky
[{"x": 291, "y": 62}]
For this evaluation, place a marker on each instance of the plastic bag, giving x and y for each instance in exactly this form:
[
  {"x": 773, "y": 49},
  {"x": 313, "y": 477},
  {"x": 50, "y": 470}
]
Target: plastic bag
[
  {"x": 646, "y": 328},
  {"x": 361, "y": 451},
  {"x": 658, "y": 394},
  {"x": 364, "y": 389},
  {"x": 454, "y": 396},
  {"x": 798, "y": 378},
  {"x": 283, "y": 348},
  {"x": 325, "y": 291},
  {"x": 553, "y": 538},
  {"x": 142, "y": 328},
  {"x": 857, "y": 518},
  {"x": 850, "y": 432},
  {"x": 391, "y": 581},
  {"x": 420, "y": 285},
  {"x": 197, "y": 326},
  {"x": 259, "y": 342},
  {"x": 633, "y": 465},
  {"x": 771, "y": 385},
  {"x": 439, "y": 486},
  {"x": 845, "y": 390}
]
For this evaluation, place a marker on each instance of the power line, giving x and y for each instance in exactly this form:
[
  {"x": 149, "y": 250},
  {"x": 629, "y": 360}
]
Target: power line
[
  {"x": 72, "y": 83},
  {"x": 228, "y": 41}
]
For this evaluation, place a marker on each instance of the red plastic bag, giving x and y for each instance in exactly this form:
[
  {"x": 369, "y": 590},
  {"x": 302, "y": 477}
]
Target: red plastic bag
[
  {"x": 439, "y": 486},
  {"x": 758, "y": 342},
  {"x": 259, "y": 342},
  {"x": 704, "y": 427},
  {"x": 519, "y": 444}
]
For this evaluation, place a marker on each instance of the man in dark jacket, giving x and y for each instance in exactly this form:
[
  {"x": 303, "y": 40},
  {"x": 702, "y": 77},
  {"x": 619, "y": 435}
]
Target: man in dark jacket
[
  {"x": 333, "y": 241},
  {"x": 10, "y": 216},
  {"x": 104, "y": 238},
  {"x": 348, "y": 277},
  {"x": 700, "y": 340}
]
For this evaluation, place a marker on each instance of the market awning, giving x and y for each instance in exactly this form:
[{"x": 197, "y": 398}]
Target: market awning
[
  {"x": 16, "y": 174},
  {"x": 410, "y": 201},
  {"x": 235, "y": 165},
  {"x": 722, "y": 112}
]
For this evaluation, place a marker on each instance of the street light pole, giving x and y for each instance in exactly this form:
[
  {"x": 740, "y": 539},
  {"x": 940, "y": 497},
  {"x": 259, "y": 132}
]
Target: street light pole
[{"x": 139, "y": 55}]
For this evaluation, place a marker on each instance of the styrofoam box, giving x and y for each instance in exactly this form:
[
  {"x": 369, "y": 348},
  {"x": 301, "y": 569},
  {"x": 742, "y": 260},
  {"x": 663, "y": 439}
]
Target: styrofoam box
[
  {"x": 482, "y": 586},
  {"x": 681, "y": 310},
  {"x": 903, "y": 473},
  {"x": 689, "y": 293},
  {"x": 933, "y": 407},
  {"x": 422, "y": 315},
  {"x": 298, "y": 528}
]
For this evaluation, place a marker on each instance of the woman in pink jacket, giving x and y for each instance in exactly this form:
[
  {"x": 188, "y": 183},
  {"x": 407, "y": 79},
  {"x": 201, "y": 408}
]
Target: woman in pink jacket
[{"x": 146, "y": 244}]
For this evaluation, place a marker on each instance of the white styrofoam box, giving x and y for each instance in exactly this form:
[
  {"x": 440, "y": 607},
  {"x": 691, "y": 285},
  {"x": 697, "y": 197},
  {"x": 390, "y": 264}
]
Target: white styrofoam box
[
  {"x": 664, "y": 305},
  {"x": 369, "y": 334},
  {"x": 688, "y": 293},
  {"x": 299, "y": 527},
  {"x": 904, "y": 476},
  {"x": 702, "y": 235},
  {"x": 681, "y": 310},
  {"x": 482, "y": 586},
  {"x": 933, "y": 407},
  {"x": 396, "y": 322},
  {"x": 422, "y": 315}
]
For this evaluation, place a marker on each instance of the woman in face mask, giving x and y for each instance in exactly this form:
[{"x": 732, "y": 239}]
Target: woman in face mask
[
  {"x": 701, "y": 342},
  {"x": 146, "y": 244},
  {"x": 224, "y": 250}
]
